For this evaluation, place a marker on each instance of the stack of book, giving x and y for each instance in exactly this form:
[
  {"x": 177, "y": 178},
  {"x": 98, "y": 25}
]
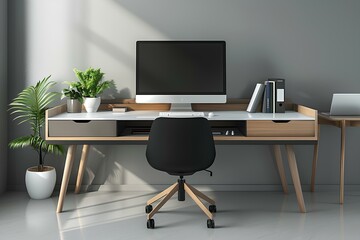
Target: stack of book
[{"x": 272, "y": 95}]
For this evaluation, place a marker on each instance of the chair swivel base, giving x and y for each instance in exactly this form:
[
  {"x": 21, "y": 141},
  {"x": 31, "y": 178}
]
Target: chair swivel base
[{"x": 170, "y": 191}]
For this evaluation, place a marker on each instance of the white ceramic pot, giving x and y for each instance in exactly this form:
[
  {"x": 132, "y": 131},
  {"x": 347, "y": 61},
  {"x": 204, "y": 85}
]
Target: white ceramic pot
[
  {"x": 92, "y": 104},
  {"x": 40, "y": 185}
]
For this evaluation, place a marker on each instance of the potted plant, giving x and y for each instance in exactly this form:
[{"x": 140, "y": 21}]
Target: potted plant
[
  {"x": 91, "y": 86},
  {"x": 74, "y": 97},
  {"x": 30, "y": 106}
]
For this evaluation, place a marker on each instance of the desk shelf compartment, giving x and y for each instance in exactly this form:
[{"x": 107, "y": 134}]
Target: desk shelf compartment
[
  {"x": 82, "y": 128},
  {"x": 219, "y": 128},
  {"x": 134, "y": 128},
  {"x": 142, "y": 128}
]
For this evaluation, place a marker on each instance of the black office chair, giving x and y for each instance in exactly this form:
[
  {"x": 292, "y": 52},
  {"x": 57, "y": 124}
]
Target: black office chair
[{"x": 181, "y": 147}]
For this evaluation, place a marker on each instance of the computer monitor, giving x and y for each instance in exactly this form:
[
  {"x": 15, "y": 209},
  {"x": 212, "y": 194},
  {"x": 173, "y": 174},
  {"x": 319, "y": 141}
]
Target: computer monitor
[{"x": 180, "y": 72}]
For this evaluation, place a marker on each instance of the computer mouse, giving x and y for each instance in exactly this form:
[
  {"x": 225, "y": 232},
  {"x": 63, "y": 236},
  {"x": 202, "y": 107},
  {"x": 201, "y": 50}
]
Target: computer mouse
[{"x": 211, "y": 114}]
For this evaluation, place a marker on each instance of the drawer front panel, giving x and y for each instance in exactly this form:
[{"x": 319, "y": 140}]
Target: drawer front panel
[
  {"x": 268, "y": 128},
  {"x": 82, "y": 128}
]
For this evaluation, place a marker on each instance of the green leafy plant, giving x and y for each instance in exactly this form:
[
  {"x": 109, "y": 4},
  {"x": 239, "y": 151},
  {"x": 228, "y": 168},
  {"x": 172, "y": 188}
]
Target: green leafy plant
[
  {"x": 72, "y": 91},
  {"x": 90, "y": 82},
  {"x": 30, "y": 106}
]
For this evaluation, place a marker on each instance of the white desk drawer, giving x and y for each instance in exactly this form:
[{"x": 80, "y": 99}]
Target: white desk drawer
[
  {"x": 68, "y": 128},
  {"x": 268, "y": 128}
]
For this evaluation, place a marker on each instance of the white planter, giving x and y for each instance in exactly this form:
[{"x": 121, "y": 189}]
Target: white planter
[
  {"x": 40, "y": 185},
  {"x": 92, "y": 104}
]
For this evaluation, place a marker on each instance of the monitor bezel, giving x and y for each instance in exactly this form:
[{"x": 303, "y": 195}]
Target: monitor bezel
[{"x": 180, "y": 96}]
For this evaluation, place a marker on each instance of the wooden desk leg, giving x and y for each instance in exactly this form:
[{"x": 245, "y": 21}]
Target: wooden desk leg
[
  {"x": 342, "y": 161},
  {"x": 84, "y": 156},
  {"x": 295, "y": 177},
  {"x": 66, "y": 176},
  {"x": 314, "y": 163},
  {"x": 280, "y": 167}
]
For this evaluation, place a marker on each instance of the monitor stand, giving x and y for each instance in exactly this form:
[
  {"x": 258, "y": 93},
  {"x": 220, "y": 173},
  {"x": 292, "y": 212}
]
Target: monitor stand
[
  {"x": 180, "y": 107},
  {"x": 181, "y": 110}
]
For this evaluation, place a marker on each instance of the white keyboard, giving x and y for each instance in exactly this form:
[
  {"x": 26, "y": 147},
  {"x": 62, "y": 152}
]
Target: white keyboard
[{"x": 181, "y": 114}]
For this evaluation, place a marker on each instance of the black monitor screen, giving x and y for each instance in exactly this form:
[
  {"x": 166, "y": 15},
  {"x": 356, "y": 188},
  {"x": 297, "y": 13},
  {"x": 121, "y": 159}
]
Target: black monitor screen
[{"x": 180, "y": 67}]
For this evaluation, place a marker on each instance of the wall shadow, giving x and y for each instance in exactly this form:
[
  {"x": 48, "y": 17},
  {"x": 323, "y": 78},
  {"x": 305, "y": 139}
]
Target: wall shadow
[{"x": 16, "y": 70}]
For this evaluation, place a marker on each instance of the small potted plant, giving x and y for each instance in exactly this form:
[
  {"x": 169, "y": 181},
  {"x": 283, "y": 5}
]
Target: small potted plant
[
  {"x": 74, "y": 97},
  {"x": 30, "y": 106},
  {"x": 91, "y": 86}
]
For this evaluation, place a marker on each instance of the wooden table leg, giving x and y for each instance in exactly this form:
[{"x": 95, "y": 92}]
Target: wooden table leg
[
  {"x": 314, "y": 163},
  {"x": 342, "y": 160},
  {"x": 280, "y": 167},
  {"x": 66, "y": 176},
  {"x": 295, "y": 177},
  {"x": 84, "y": 156}
]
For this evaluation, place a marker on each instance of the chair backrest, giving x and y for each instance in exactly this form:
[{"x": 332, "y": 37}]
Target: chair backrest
[{"x": 180, "y": 146}]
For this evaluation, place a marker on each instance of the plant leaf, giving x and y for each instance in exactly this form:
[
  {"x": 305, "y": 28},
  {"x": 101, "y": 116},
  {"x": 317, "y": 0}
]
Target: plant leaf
[{"x": 29, "y": 107}]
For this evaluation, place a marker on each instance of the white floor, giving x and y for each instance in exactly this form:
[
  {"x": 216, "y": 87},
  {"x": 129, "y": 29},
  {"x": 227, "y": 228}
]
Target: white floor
[{"x": 241, "y": 215}]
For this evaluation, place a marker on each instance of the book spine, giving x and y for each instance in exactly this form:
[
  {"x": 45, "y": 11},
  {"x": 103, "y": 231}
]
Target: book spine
[
  {"x": 273, "y": 103},
  {"x": 280, "y": 96},
  {"x": 255, "y": 98},
  {"x": 268, "y": 94},
  {"x": 266, "y": 103},
  {"x": 271, "y": 99}
]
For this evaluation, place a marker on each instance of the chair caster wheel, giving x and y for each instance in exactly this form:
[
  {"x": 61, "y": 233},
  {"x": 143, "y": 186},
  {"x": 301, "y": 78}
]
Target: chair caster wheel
[
  {"x": 150, "y": 224},
  {"x": 212, "y": 208},
  {"x": 210, "y": 223},
  {"x": 148, "y": 208}
]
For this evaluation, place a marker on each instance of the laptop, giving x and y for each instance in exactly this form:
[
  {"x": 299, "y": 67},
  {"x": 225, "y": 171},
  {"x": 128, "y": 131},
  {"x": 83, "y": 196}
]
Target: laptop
[{"x": 345, "y": 104}]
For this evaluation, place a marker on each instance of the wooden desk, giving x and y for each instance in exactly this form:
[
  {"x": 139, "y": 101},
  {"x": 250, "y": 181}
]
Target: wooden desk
[
  {"x": 297, "y": 126},
  {"x": 341, "y": 122}
]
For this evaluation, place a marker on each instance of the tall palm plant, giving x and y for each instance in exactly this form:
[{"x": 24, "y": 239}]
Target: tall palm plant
[{"x": 30, "y": 106}]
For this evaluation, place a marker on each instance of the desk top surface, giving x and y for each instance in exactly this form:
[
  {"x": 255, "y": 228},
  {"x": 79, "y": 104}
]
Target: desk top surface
[
  {"x": 151, "y": 115},
  {"x": 327, "y": 116}
]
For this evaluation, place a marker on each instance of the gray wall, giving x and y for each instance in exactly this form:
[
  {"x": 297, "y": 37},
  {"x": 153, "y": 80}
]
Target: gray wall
[
  {"x": 3, "y": 94},
  {"x": 313, "y": 44}
]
